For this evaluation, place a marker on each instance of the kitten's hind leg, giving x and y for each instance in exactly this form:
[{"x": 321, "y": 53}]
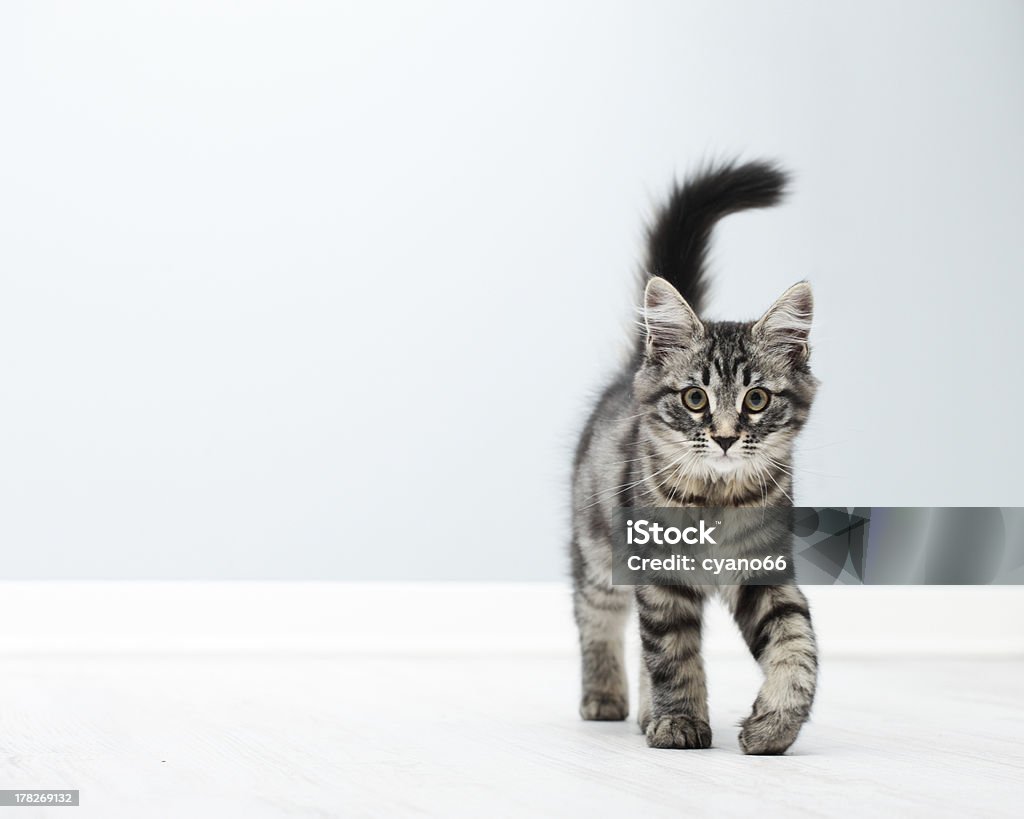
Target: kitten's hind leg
[
  {"x": 776, "y": 623},
  {"x": 643, "y": 711},
  {"x": 601, "y": 611}
]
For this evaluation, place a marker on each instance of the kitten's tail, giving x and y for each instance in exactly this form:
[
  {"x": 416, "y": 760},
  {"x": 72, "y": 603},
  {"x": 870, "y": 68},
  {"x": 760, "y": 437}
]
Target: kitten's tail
[{"x": 678, "y": 239}]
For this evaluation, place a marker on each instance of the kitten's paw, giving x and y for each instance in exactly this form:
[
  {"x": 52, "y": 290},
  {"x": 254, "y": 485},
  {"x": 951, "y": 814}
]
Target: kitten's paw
[
  {"x": 770, "y": 732},
  {"x": 678, "y": 731},
  {"x": 604, "y": 706}
]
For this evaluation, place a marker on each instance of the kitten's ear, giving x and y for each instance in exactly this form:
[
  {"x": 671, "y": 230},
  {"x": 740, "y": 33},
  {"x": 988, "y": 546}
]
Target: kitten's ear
[
  {"x": 669, "y": 320},
  {"x": 787, "y": 323}
]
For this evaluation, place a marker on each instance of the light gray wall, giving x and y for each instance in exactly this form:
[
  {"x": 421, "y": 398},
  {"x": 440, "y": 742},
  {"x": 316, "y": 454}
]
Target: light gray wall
[{"x": 320, "y": 290}]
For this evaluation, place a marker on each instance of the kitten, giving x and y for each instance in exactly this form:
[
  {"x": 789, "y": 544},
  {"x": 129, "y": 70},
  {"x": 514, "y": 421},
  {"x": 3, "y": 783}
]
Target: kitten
[{"x": 704, "y": 414}]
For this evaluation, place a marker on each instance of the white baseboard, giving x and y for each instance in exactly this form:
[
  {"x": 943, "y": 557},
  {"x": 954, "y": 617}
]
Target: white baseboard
[{"x": 383, "y": 618}]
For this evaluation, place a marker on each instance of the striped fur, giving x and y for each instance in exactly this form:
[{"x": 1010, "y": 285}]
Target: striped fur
[{"x": 643, "y": 446}]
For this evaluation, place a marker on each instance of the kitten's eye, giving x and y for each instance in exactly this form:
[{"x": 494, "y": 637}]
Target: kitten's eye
[
  {"x": 695, "y": 399},
  {"x": 756, "y": 399}
]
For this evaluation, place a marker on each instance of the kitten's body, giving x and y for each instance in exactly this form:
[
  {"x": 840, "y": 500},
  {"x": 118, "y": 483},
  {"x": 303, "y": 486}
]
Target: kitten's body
[{"x": 651, "y": 442}]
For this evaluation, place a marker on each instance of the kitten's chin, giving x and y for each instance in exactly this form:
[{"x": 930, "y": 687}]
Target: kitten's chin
[{"x": 723, "y": 464}]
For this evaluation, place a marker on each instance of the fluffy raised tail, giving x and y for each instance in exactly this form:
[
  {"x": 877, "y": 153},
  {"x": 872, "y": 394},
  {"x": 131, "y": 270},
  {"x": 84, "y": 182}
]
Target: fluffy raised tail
[{"x": 678, "y": 239}]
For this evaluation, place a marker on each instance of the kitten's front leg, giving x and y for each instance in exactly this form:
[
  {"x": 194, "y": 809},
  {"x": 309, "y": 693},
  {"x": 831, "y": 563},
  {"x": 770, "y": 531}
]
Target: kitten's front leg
[
  {"x": 674, "y": 700},
  {"x": 776, "y": 623}
]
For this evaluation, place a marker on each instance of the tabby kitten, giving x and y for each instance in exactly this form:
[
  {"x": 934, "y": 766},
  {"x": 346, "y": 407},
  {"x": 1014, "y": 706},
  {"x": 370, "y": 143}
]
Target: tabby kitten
[{"x": 705, "y": 414}]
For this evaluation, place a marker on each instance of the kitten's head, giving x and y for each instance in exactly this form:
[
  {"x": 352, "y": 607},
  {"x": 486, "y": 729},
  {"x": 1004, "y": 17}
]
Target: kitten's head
[{"x": 725, "y": 398}]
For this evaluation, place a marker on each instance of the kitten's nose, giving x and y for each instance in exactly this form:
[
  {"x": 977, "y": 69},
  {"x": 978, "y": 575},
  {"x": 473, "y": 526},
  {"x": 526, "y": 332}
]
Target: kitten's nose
[{"x": 725, "y": 442}]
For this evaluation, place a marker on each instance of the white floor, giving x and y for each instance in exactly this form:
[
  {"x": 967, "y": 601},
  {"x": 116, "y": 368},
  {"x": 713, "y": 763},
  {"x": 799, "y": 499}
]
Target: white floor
[{"x": 450, "y": 732}]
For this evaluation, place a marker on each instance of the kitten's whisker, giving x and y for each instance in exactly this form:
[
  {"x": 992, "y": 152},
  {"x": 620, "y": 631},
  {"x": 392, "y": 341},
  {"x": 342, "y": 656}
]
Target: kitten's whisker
[
  {"x": 692, "y": 456},
  {"x": 642, "y": 458},
  {"x": 608, "y": 493},
  {"x": 647, "y": 457},
  {"x": 760, "y": 483},
  {"x": 784, "y": 492},
  {"x": 791, "y": 469}
]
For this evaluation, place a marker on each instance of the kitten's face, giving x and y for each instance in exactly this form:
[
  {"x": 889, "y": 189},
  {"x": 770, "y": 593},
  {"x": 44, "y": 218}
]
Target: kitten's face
[{"x": 723, "y": 399}]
